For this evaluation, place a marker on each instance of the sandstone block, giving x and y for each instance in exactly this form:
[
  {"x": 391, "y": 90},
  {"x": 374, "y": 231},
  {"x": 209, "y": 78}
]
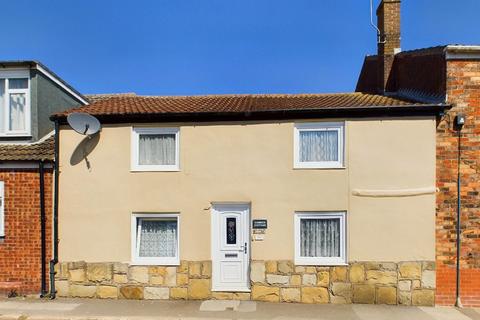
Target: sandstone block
[
  {"x": 199, "y": 289},
  {"x": 170, "y": 276},
  {"x": 404, "y": 285},
  {"x": 121, "y": 268},
  {"x": 428, "y": 279},
  {"x": 263, "y": 293},
  {"x": 310, "y": 270},
  {"x": 315, "y": 295},
  {"x": 138, "y": 274},
  {"x": 77, "y": 275},
  {"x": 386, "y": 266},
  {"x": 183, "y": 267},
  {"x": 300, "y": 269},
  {"x": 257, "y": 271},
  {"x": 157, "y": 280},
  {"x": 195, "y": 269},
  {"x": 63, "y": 274},
  {"x": 342, "y": 289},
  {"x": 323, "y": 279},
  {"x": 107, "y": 292},
  {"x": 80, "y": 291},
  {"x": 416, "y": 284},
  {"x": 382, "y": 277},
  {"x": 364, "y": 293},
  {"x": 428, "y": 265},
  {"x": 207, "y": 268},
  {"x": 62, "y": 287},
  {"x": 271, "y": 266},
  {"x": 178, "y": 293},
  {"x": 290, "y": 294},
  {"x": 285, "y": 267},
  {"x": 98, "y": 272},
  {"x": 338, "y": 274},
  {"x": 155, "y": 293},
  {"x": 120, "y": 278},
  {"x": 131, "y": 292},
  {"x": 276, "y": 279},
  {"x": 182, "y": 279},
  {"x": 295, "y": 280},
  {"x": 309, "y": 279},
  {"x": 405, "y": 298},
  {"x": 241, "y": 296},
  {"x": 357, "y": 273},
  {"x": 222, "y": 295},
  {"x": 77, "y": 265},
  {"x": 156, "y": 271},
  {"x": 338, "y": 299},
  {"x": 386, "y": 295},
  {"x": 410, "y": 270},
  {"x": 423, "y": 297}
]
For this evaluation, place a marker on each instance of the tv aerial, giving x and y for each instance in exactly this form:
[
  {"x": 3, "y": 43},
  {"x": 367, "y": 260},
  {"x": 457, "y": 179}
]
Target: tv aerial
[{"x": 84, "y": 123}]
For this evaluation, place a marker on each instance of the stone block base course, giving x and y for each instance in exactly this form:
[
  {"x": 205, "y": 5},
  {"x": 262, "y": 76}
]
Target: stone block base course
[{"x": 404, "y": 283}]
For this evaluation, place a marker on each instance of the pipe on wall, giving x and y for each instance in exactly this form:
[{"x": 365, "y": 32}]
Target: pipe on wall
[
  {"x": 458, "y": 302},
  {"x": 54, "y": 260},
  {"x": 41, "y": 172}
]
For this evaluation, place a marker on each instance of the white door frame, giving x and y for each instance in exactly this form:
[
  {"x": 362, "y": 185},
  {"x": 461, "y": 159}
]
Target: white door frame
[{"x": 216, "y": 210}]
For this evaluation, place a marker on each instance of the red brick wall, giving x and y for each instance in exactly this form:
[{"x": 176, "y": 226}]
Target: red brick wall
[
  {"x": 20, "y": 250},
  {"x": 463, "y": 89}
]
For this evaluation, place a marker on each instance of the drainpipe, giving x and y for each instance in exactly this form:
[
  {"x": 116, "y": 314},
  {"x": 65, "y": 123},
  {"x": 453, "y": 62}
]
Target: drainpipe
[
  {"x": 41, "y": 173},
  {"x": 54, "y": 261},
  {"x": 459, "y": 122}
]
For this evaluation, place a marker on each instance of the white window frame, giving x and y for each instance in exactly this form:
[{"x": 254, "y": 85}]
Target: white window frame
[
  {"x": 321, "y": 261},
  {"x": 136, "y": 132},
  {"x": 2, "y": 209},
  {"x": 135, "y": 240},
  {"x": 319, "y": 126},
  {"x": 16, "y": 74}
]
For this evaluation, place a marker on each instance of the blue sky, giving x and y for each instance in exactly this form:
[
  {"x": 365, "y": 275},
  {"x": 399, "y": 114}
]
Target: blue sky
[{"x": 183, "y": 47}]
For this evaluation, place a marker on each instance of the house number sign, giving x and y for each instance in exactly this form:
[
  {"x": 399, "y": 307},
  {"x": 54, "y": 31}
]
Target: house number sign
[{"x": 259, "y": 224}]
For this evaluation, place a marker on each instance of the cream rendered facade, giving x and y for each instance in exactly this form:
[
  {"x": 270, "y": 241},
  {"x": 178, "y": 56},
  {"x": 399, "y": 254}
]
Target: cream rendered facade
[{"x": 252, "y": 162}]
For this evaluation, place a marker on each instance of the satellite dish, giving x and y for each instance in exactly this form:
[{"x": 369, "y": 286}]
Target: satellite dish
[{"x": 83, "y": 123}]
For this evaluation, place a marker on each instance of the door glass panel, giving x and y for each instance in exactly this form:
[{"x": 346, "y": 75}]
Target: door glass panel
[{"x": 231, "y": 230}]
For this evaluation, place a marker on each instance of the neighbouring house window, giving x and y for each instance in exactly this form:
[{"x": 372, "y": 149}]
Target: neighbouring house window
[
  {"x": 319, "y": 145},
  {"x": 2, "y": 209},
  {"x": 155, "y": 149},
  {"x": 14, "y": 103},
  {"x": 155, "y": 239},
  {"x": 320, "y": 238}
]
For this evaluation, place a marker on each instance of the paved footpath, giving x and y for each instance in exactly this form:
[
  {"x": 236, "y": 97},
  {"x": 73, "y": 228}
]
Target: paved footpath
[{"x": 35, "y": 309}]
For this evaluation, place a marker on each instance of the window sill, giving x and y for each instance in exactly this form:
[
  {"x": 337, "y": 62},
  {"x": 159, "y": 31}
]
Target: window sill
[
  {"x": 320, "y": 168},
  {"x": 320, "y": 263},
  {"x": 154, "y": 170},
  {"x": 154, "y": 263}
]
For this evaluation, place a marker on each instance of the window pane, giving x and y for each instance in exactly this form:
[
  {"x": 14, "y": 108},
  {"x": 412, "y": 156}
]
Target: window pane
[
  {"x": 158, "y": 238},
  {"x": 231, "y": 231},
  {"x": 18, "y": 102},
  {"x": 318, "y": 146},
  {"x": 2, "y": 105},
  {"x": 18, "y": 83},
  {"x": 157, "y": 149},
  {"x": 320, "y": 237}
]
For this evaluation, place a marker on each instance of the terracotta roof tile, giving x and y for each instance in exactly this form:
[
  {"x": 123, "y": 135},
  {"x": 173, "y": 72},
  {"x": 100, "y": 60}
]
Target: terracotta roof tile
[
  {"x": 149, "y": 105},
  {"x": 43, "y": 150}
]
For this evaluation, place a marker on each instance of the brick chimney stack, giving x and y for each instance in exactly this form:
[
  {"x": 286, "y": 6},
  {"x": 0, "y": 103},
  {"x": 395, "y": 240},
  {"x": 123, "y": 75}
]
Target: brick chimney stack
[{"x": 388, "y": 20}]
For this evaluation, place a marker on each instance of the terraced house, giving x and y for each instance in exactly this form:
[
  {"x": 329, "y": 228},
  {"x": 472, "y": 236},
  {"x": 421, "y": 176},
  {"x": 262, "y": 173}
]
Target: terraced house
[
  {"x": 315, "y": 198},
  {"x": 29, "y": 93},
  {"x": 311, "y": 198}
]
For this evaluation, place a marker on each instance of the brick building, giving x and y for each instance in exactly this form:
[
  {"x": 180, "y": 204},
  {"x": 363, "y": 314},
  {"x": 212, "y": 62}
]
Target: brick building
[
  {"x": 29, "y": 93},
  {"x": 445, "y": 74}
]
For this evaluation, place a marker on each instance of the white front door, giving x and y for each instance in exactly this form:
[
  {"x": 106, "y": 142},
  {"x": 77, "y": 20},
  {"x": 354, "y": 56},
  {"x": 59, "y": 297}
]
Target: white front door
[{"x": 230, "y": 247}]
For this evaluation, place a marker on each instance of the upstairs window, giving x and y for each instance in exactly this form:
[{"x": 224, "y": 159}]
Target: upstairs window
[
  {"x": 14, "y": 104},
  {"x": 155, "y": 149},
  {"x": 318, "y": 145}
]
